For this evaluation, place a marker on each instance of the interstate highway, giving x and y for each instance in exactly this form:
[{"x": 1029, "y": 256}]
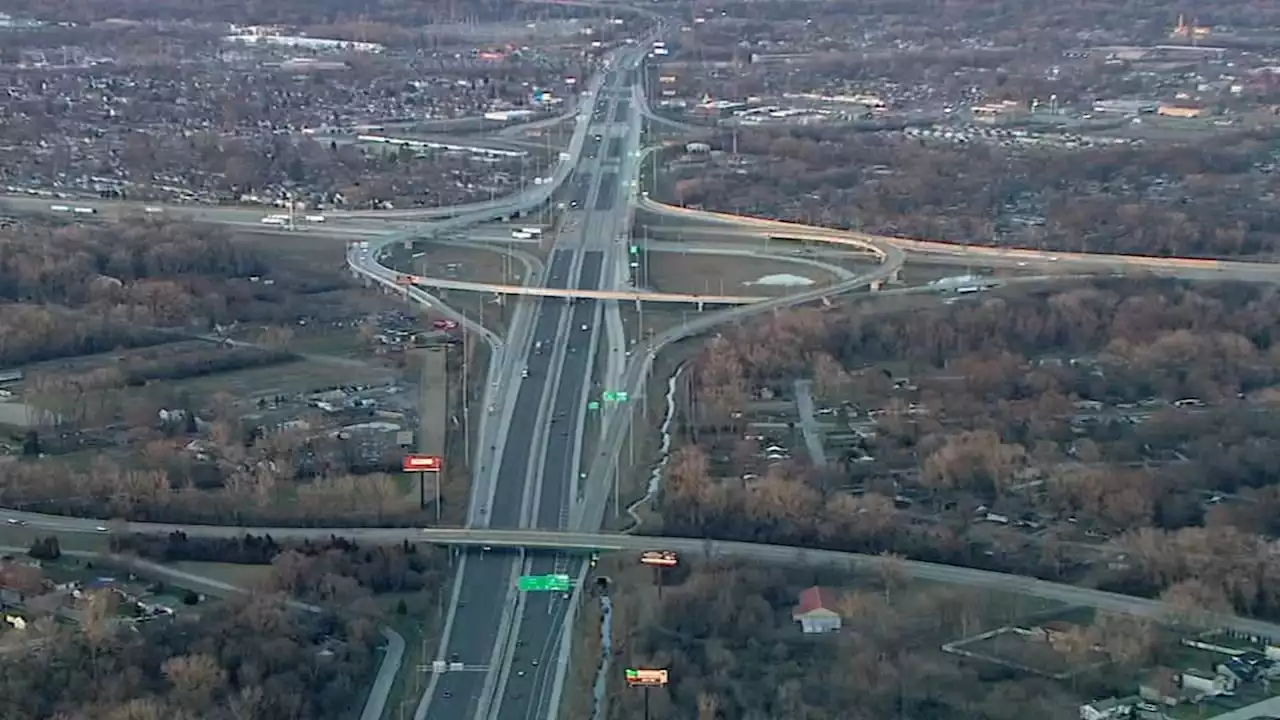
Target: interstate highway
[
  {"x": 527, "y": 691},
  {"x": 533, "y": 487}
]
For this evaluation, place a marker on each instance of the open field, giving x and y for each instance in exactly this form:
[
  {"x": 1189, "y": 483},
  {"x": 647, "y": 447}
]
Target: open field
[
  {"x": 466, "y": 264},
  {"x": 299, "y": 248},
  {"x": 677, "y": 272}
]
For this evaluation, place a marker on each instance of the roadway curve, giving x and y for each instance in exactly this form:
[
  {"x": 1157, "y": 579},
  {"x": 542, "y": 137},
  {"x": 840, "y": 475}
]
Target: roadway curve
[
  {"x": 1188, "y": 268},
  {"x": 581, "y": 542}
]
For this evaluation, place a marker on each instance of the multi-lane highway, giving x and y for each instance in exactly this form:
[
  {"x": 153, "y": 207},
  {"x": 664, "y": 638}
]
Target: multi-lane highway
[
  {"x": 506, "y": 641},
  {"x": 530, "y": 459},
  {"x": 593, "y": 234}
]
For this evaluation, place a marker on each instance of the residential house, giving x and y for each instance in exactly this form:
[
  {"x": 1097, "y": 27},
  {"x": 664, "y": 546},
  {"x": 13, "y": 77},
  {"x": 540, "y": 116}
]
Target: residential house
[
  {"x": 1108, "y": 709},
  {"x": 814, "y": 611}
]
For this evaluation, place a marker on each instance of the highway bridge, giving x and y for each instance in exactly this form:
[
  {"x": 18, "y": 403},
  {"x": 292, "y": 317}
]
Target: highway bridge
[{"x": 492, "y": 543}]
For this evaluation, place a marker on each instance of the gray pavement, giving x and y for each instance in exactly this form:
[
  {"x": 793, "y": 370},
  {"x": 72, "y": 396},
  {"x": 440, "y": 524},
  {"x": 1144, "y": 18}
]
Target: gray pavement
[{"x": 813, "y": 433}]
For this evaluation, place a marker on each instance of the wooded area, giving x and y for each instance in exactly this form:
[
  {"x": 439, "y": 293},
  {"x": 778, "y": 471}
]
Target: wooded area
[
  {"x": 245, "y": 657},
  {"x": 1166, "y": 199},
  {"x": 1187, "y": 495},
  {"x": 727, "y": 636}
]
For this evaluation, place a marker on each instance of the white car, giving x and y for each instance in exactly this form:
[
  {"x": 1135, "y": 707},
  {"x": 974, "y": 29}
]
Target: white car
[{"x": 584, "y": 326}]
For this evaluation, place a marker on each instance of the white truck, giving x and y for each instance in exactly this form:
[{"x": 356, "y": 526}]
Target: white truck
[
  {"x": 60, "y": 208},
  {"x": 315, "y": 218},
  {"x": 275, "y": 220},
  {"x": 520, "y": 235},
  {"x": 532, "y": 231}
]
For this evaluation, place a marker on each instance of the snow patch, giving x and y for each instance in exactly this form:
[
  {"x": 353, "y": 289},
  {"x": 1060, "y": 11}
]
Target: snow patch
[{"x": 781, "y": 280}]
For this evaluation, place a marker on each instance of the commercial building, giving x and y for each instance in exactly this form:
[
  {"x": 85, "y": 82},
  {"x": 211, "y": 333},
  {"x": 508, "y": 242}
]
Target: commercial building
[
  {"x": 1125, "y": 107},
  {"x": 1182, "y": 111}
]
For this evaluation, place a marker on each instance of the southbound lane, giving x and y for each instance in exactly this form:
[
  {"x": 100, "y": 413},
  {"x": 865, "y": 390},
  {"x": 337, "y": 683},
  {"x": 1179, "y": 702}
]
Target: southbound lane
[{"x": 484, "y": 589}]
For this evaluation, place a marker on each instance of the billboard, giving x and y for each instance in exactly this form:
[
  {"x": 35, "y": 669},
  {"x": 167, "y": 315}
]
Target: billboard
[
  {"x": 646, "y": 678},
  {"x": 659, "y": 558},
  {"x": 423, "y": 463}
]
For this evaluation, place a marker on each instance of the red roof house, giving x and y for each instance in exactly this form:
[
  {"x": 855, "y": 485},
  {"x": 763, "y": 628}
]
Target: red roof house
[{"x": 815, "y": 613}]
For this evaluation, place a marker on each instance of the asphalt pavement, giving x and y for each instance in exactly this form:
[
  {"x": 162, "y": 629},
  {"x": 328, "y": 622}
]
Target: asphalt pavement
[
  {"x": 487, "y": 579},
  {"x": 527, "y": 684}
]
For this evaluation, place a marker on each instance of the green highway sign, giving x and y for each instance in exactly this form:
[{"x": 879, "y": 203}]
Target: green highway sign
[
  {"x": 615, "y": 396},
  {"x": 544, "y": 583},
  {"x": 635, "y": 249},
  {"x": 593, "y": 405}
]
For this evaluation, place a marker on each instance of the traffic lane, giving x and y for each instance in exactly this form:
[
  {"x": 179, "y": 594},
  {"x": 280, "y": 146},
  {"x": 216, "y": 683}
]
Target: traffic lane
[
  {"x": 561, "y": 442},
  {"x": 513, "y": 470},
  {"x": 533, "y": 661},
  {"x": 607, "y": 192},
  {"x": 480, "y": 602},
  {"x": 559, "y": 466},
  {"x": 474, "y": 633}
]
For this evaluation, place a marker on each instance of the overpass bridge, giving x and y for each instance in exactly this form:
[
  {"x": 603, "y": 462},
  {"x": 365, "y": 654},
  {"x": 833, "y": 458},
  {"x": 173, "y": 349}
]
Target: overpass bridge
[
  {"x": 591, "y": 542},
  {"x": 538, "y": 291}
]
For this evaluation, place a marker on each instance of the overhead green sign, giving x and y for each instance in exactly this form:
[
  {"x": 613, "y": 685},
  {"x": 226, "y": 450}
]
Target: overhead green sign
[
  {"x": 615, "y": 396},
  {"x": 593, "y": 405},
  {"x": 544, "y": 583}
]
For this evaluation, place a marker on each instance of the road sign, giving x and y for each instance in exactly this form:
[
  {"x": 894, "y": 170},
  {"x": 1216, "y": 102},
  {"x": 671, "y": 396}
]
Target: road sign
[
  {"x": 544, "y": 583},
  {"x": 615, "y": 396},
  {"x": 659, "y": 558},
  {"x": 646, "y": 678},
  {"x": 423, "y": 463},
  {"x": 593, "y": 405},
  {"x": 635, "y": 249}
]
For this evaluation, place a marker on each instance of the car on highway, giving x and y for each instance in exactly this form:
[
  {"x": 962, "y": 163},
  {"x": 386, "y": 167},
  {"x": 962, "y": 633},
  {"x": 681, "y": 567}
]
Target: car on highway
[
  {"x": 15, "y": 521},
  {"x": 524, "y": 372},
  {"x": 585, "y": 326},
  {"x": 101, "y": 528}
]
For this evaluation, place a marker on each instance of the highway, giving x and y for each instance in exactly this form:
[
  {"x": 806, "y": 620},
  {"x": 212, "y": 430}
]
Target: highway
[
  {"x": 526, "y": 684},
  {"x": 527, "y": 484}
]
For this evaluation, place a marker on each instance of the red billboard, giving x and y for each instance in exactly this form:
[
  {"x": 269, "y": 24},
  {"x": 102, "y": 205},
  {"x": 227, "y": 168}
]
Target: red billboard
[{"x": 423, "y": 463}]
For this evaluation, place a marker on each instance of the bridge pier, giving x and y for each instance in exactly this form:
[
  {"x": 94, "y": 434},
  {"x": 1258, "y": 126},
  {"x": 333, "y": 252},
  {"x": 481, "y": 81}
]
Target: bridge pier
[{"x": 700, "y": 305}]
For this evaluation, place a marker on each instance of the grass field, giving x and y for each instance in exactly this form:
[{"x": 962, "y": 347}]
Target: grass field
[
  {"x": 299, "y": 376},
  {"x": 677, "y": 272}
]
